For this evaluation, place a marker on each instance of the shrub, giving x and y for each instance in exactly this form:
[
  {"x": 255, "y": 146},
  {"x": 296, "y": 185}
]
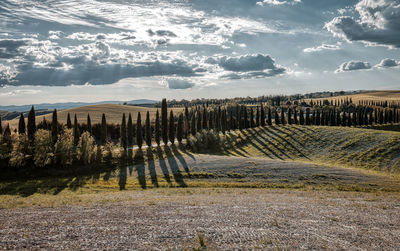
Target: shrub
[
  {"x": 211, "y": 141},
  {"x": 87, "y": 148},
  {"x": 64, "y": 149},
  {"x": 21, "y": 151},
  {"x": 43, "y": 154}
]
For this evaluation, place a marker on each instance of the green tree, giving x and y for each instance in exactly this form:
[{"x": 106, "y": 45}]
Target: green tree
[
  {"x": 164, "y": 121},
  {"x": 171, "y": 131},
  {"x": 157, "y": 129},
  {"x": 76, "y": 131},
  {"x": 1, "y": 127},
  {"x": 289, "y": 116},
  {"x": 124, "y": 134},
  {"x": 296, "y": 121},
  {"x": 210, "y": 121},
  {"x": 7, "y": 137},
  {"x": 139, "y": 133},
  {"x": 277, "y": 120},
  {"x": 283, "y": 121},
  {"x": 31, "y": 125},
  {"x": 308, "y": 122},
  {"x": 69, "y": 123},
  {"x": 258, "y": 117},
  {"x": 54, "y": 127},
  {"x": 179, "y": 134},
  {"x": 21, "y": 124},
  {"x": 252, "y": 124},
  {"x": 193, "y": 125},
  {"x": 262, "y": 116},
  {"x": 205, "y": 119},
  {"x": 129, "y": 131},
  {"x": 186, "y": 127},
  {"x": 148, "y": 132},
  {"x": 301, "y": 117},
  {"x": 198, "y": 128},
  {"x": 103, "y": 134},
  {"x": 89, "y": 124}
]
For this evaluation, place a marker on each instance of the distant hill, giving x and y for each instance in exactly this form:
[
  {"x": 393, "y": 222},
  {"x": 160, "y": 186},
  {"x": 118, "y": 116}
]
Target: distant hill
[
  {"x": 69, "y": 105},
  {"x": 113, "y": 113}
]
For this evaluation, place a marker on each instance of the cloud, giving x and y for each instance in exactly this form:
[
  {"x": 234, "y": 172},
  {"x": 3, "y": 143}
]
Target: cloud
[
  {"x": 387, "y": 62},
  {"x": 179, "y": 84},
  {"x": 247, "y": 66},
  {"x": 277, "y": 2},
  {"x": 9, "y": 47},
  {"x": 378, "y": 23},
  {"x": 331, "y": 47},
  {"x": 353, "y": 66}
]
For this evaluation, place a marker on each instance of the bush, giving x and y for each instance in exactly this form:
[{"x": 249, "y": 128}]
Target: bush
[
  {"x": 64, "y": 148},
  {"x": 43, "y": 154},
  {"x": 211, "y": 141},
  {"x": 21, "y": 151},
  {"x": 87, "y": 148}
]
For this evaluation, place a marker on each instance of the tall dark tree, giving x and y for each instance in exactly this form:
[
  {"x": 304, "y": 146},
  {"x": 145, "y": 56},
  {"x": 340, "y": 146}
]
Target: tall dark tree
[
  {"x": 129, "y": 130},
  {"x": 139, "y": 133},
  {"x": 198, "y": 127},
  {"x": 157, "y": 129},
  {"x": 218, "y": 124},
  {"x": 257, "y": 117},
  {"x": 193, "y": 125},
  {"x": 283, "y": 121},
  {"x": 89, "y": 124},
  {"x": 171, "y": 131},
  {"x": 1, "y": 127},
  {"x": 223, "y": 121},
  {"x": 210, "y": 120},
  {"x": 262, "y": 115},
  {"x": 7, "y": 137},
  {"x": 103, "y": 134},
  {"x": 164, "y": 121},
  {"x": 252, "y": 124},
  {"x": 186, "y": 128},
  {"x": 277, "y": 120},
  {"x": 296, "y": 121},
  {"x": 69, "y": 123},
  {"x": 21, "y": 124},
  {"x": 124, "y": 133},
  {"x": 31, "y": 125},
  {"x": 240, "y": 118},
  {"x": 308, "y": 122},
  {"x": 76, "y": 131},
  {"x": 179, "y": 134},
  {"x": 338, "y": 119},
  {"x": 148, "y": 132},
  {"x": 204, "y": 121},
  {"x": 54, "y": 127},
  {"x": 269, "y": 117},
  {"x": 289, "y": 116},
  {"x": 245, "y": 117},
  {"x": 301, "y": 117}
]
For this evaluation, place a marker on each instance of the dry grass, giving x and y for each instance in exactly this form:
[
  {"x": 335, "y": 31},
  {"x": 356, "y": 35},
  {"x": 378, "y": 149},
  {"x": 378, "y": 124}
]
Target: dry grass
[
  {"x": 389, "y": 96},
  {"x": 113, "y": 113}
]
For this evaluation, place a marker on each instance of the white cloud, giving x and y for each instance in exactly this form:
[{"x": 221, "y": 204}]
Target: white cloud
[
  {"x": 322, "y": 47},
  {"x": 179, "y": 84},
  {"x": 378, "y": 23},
  {"x": 277, "y": 2},
  {"x": 353, "y": 66},
  {"x": 387, "y": 62}
]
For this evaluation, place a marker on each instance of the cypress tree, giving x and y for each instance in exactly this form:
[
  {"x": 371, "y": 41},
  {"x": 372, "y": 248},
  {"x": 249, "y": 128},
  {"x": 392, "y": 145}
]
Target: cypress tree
[
  {"x": 1, "y": 127},
  {"x": 344, "y": 119},
  {"x": 252, "y": 118},
  {"x": 157, "y": 129},
  {"x": 296, "y": 121},
  {"x": 257, "y": 117},
  {"x": 187, "y": 124},
  {"x": 289, "y": 116},
  {"x": 148, "y": 130},
  {"x": 193, "y": 125},
  {"x": 164, "y": 121},
  {"x": 31, "y": 125},
  {"x": 246, "y": 119},
  {"x": 103, "y": 134},
  {"x": 314, "y": 118},
  {"x": 283, "y": 122},
  {"x": 198, "y": 128},
  {"x": 54, "y": 127},
  {"x": 277, "y": 120},
  {"x": 179, "y": 134},
  {"x": 129, "y": 131},
  {"x": 21, "y": 124},
  {"x": 231, "y": 121},
  {"x": 171, "y": 131},
  {"x": 354, "y": 118},
  {"x": 124, "y": 134},
  {"x": 223, "y": 121},
  {"x": 7, "y": 137},
  {"x": 308, "y": 122},
  {"x": 69, "y": 123},
  {"x": 269, "y": 116},
  {"x": 76, "y": 131},
  {"x": 239, "y": 119},
  {"x": 218, "y": 124},
  {"x": 89, "y": 124},
  {"x": 139, "y": 133},
  {"x": 371, "y": 119},
  {"x": 44, "y": 124},
  {"x": 338, "y": 120},
  {"x": 318, "y": 118},
  {"x": 349, "y": 121},
  {"x": 210, "y": 121},
  {"x": 204, "y": 119},
  {"x": 301, "y": 117},
  {"x": 262, "y": 115}
]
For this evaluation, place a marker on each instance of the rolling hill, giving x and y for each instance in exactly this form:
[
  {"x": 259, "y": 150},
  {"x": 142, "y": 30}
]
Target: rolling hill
[{"x": 389, "y": 96}]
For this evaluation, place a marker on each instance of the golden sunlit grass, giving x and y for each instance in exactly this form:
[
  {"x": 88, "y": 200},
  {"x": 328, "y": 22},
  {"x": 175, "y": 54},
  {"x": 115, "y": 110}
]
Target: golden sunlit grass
[{"x": 368, "y": 95}]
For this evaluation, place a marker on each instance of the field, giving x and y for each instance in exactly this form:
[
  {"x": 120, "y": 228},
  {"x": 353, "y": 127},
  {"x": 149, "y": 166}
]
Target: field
[
  {"x": 390, "y": 96},
  {"x": 113, "y": 113}
]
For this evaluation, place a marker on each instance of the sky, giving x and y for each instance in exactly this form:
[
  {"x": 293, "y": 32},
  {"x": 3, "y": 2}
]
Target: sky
[{"x": 95, "y": 50}]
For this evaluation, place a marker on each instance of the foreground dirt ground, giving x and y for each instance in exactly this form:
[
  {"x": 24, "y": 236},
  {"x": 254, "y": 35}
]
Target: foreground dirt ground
[{"x": 231, "y": 218}]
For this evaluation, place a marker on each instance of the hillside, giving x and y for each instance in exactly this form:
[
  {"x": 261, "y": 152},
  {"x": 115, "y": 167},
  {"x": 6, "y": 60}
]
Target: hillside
[
  {"x": 339, "y": 146},
  {"x": 389, "y": 96},
  {"x": 113, "y": 113}
]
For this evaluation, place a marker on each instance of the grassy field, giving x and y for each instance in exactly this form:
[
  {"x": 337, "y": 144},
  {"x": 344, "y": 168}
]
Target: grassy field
[
  {"x": 113, "y": 113},
  {"x": 368, "y": 95}
]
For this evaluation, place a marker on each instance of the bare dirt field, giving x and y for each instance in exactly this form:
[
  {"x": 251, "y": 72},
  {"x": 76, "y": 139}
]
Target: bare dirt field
[{"x": 229, "y": 219}]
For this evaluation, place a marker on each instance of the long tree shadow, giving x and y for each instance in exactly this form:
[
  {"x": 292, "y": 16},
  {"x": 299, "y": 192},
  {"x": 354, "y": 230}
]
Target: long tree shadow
[
  {"x": 174, "y": 167},
  {"x": 163, "y": 164},
  {"x": 122, "y": 176},
  {"x": 181, "y": 159},
  {"x": 183, "y": 149},
  {"x": 140, "y": 168},
  {"x": 285, "y": 140},
  {"x": 151, "y": 166},
  {"x": 268, "y": 142},
  {"x": 262, "y": 144}
]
